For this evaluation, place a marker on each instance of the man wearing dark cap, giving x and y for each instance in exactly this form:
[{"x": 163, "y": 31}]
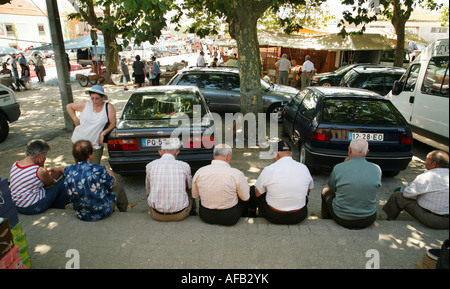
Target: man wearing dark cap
[{"x": 282, "y": 189}]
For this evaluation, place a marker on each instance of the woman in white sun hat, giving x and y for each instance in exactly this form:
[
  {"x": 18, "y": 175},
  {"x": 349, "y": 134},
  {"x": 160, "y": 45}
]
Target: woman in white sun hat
[{"x": 97, "y": 118}]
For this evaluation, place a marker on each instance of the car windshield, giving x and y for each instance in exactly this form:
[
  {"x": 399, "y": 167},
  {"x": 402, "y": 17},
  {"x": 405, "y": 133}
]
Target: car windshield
[
  {"x": 361, "y": 111},
  {"x": 163, "y": 105},
  {"x": 346, "y": 67}
]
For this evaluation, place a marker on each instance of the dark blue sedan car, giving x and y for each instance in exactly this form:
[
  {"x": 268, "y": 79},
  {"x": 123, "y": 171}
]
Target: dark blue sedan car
[{"x": 321, "y": 122}]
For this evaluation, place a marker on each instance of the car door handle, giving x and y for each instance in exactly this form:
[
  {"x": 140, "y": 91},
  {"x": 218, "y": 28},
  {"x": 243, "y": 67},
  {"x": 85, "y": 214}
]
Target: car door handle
[{"x": 411, "y": 99}]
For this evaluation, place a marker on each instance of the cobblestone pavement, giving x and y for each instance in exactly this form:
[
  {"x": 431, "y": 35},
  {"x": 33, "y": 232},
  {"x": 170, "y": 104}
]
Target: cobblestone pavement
[{"x": 134, "y": 240}]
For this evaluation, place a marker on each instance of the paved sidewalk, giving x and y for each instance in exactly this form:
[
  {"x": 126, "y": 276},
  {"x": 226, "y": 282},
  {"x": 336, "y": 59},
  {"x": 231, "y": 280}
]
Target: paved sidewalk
[{"x": 135, "y": 240}]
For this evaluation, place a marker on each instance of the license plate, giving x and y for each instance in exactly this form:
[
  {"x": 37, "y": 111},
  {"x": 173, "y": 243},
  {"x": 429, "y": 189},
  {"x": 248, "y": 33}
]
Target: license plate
[
  {"x": 366, "y": 136},
  {"x": 152, "y": 142}
]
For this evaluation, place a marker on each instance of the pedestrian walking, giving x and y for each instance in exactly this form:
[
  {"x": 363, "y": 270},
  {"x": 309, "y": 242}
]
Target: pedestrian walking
[
  {"x": 125, "y": 72},
  {"x": 139, "y": 72},
  {"x": 40, "y": 69}
]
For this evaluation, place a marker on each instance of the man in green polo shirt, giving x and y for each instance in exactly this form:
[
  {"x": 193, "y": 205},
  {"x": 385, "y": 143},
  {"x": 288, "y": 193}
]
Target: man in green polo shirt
[{"x": 350, "y": 198}]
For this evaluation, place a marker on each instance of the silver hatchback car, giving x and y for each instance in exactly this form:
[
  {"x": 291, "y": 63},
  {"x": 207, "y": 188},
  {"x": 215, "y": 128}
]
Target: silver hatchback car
[{"x": 221, "y": 88}]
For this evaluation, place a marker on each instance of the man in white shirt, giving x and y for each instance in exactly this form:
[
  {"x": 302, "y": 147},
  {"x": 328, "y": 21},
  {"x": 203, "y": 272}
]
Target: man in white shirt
[
  {"x": 307, "y": 72},
  {"x": 15, "y": 72},
  {"x": 427, "y": 197},
  {"x": 284, "y": 65},
  {"x": 282, "y": 189},
  {"x": 201, "y": 59},
  {"x": 166, "y": 182}
]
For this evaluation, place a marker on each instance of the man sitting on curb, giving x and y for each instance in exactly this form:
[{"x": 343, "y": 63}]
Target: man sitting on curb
[
  {"x": 223, "y": 190},
  {"x": 92, "y": 189},
  {"x": 282, "y": 189},
  {"x": 166, "y": 181},
  {"x": 34, "y": 187},
  {"x": 426, "y": 198},
  {"x": 350, "y": 198}
]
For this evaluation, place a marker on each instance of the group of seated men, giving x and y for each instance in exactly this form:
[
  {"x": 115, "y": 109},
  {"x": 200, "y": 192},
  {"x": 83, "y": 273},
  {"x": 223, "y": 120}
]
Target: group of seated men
[{"x": 280, "y": 193}]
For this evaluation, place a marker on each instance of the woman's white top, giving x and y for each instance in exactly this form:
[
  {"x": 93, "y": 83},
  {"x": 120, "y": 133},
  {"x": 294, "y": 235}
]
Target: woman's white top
[{"x": 91, "y": 125}]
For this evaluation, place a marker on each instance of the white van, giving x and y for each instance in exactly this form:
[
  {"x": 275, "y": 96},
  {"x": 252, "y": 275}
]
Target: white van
[{"x": 421, "y": 95}]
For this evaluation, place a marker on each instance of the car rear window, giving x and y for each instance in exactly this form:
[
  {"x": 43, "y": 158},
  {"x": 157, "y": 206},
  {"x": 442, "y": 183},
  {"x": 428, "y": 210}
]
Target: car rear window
[
  {"x": 361, "y": 111},
  {"x": 160, "y": 105}
]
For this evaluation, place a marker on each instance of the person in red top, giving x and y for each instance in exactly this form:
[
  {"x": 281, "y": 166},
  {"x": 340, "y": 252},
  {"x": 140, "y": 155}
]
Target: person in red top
[{"x": 35, "y": 188}]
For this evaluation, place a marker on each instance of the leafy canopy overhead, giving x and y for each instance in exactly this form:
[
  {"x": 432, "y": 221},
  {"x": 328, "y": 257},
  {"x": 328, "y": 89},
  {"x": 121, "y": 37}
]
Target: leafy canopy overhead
[{"x": 209, "y": 15}]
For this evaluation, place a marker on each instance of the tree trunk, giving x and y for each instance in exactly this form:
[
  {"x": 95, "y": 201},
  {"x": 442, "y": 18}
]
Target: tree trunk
[
  {"x": 243, "y": 29},
  {"x": 399, "y": 19},
  {"x": 112, "y": 57},
  {"x": 111, "y": 61}
]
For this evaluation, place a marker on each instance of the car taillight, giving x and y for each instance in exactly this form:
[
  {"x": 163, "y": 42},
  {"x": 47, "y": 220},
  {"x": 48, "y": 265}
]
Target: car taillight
[
  {"x": 199, "y": 142},
  {"x": 406, "y": 138},
  {"x": 321, "y": 136},
  {"x": 123, "y": 145}
]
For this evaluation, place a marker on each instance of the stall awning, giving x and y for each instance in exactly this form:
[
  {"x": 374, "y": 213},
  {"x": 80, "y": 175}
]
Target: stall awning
[
  {"x": 78, "y": 43},
  {"x": 333, "y": 42}
]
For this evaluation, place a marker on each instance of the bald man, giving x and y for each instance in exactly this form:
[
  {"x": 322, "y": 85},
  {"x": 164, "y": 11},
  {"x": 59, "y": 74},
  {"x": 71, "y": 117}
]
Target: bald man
[{"x": 350, "y": 198}]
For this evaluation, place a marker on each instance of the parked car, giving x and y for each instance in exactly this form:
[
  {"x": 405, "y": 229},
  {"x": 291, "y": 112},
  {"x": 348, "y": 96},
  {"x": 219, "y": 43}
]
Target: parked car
[
  {"x": 160, "y": 51},
  {"x": 334, "y": 78},
  {"x": 322, "y": 121},
  {"x": 32, "y": 54},
  {"x": 377, "y": 79},
  {"x": 221, "y": 88},
  {"x": 154, "y": 113},
  {"x": 387, "y": 58},
  {"x": 9, "y": 110},
  {"x": 176, "y": 49}
]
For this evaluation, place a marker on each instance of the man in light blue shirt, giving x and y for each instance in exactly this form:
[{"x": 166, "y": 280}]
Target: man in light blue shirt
[{"x": 350, "y": 198}]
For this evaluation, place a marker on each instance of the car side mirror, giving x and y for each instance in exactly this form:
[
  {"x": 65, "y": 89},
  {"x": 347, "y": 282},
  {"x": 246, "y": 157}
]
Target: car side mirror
[{"x": 397, "y": 87}]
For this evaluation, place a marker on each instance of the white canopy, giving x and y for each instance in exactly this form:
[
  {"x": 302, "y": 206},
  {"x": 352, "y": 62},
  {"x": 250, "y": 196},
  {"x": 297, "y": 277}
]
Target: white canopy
[{"x": 333, "y": 42}]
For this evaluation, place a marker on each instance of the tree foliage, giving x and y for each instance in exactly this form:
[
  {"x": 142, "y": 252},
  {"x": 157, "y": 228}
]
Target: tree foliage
[
  {"x": 241, "y": 17},
  {"x": 294, "y": 17},
  {"x": 135, "y": 21},
  {"x": 397, "y": 11}
]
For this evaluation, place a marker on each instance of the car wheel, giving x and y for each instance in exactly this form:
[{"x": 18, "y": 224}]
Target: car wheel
[
  {"x": 278, "y": 109},
  {"x": 83, "y": 80},
  {"x": 4, "y": 127},
  {"x": 325, "y": 83}
]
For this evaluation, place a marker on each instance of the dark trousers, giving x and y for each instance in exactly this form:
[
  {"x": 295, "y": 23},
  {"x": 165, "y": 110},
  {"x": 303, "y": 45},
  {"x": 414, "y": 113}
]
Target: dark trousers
[
  {"x": 226, "y": 217},
  {"x": 155, "y": 81},
  {"x": 276, "y": 217},
  {"x": 328, "y": 213},
  {"x": 55, "y": 197}
]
